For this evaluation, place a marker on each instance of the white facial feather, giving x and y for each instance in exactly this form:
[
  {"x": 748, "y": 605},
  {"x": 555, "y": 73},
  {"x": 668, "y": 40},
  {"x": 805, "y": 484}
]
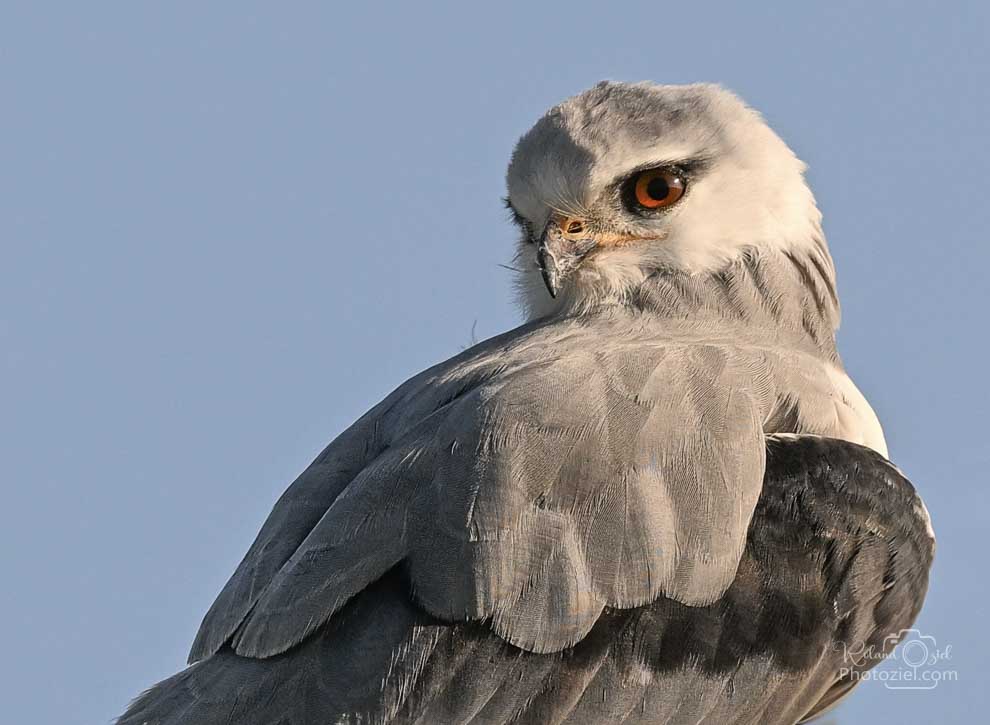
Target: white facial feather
[{"x": 749, "y": 195}]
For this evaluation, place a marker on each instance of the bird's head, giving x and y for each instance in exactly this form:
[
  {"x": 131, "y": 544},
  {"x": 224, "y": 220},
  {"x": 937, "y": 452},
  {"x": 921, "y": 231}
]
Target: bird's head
[{"x": 625, "y": 181}]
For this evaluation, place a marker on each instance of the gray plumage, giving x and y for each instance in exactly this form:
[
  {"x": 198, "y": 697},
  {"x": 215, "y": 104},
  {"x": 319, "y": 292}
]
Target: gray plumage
[{"x": 576, "y": 521}]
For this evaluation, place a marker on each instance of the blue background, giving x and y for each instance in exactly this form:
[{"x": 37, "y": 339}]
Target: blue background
[{"x": 227, "y": 231}]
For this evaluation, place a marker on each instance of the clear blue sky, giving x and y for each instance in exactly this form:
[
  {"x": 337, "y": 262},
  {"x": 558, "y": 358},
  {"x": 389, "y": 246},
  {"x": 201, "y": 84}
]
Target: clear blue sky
[{"x": 226, "y": 232}]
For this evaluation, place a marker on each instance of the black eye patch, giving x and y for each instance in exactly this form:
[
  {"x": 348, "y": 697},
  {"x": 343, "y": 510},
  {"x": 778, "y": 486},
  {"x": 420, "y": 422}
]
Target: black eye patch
[{"x": 519, "y": 220}]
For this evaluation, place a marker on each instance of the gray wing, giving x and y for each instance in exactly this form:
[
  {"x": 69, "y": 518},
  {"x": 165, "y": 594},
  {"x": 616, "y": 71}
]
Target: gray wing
[
  {"x": 836, "y": 559},
  {"x": 532, "y": 482}
]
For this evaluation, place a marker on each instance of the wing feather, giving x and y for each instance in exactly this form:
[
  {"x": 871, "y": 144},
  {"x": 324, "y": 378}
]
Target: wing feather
[
  {"x": 538, "y": 496},
  {"x": 837, "y": 555}
]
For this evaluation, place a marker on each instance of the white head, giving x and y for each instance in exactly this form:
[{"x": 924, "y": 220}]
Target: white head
[{"x": 625, "y": 180}]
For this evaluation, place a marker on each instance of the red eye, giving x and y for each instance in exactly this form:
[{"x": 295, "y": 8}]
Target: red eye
[{"x": 657, "y": 188}]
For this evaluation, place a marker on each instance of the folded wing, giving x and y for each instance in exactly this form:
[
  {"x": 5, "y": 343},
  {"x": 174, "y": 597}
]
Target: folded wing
[{"x": 836, "y": 561}]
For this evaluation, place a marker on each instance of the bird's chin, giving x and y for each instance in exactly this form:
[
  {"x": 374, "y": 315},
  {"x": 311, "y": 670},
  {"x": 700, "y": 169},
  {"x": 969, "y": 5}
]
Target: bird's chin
[{"x": 601, "y": 280}]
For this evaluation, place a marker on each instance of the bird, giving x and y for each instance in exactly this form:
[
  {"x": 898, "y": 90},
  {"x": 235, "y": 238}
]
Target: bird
[{"x": 660, "y": 499}]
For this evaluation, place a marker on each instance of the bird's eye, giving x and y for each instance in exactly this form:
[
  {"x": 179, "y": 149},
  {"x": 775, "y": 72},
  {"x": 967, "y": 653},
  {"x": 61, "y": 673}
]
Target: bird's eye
[{"x": 656, "y": 188}]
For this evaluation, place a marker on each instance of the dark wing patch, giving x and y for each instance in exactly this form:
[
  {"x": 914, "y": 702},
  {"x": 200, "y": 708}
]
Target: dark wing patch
[{"x": 837, "y": 555}]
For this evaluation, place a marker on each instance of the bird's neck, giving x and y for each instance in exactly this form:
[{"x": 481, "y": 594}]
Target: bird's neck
[{"x": 787, "y": 296}]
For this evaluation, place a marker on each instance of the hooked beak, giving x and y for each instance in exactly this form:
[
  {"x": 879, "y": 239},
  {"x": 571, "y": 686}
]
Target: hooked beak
[{"x": 558, "y": 255}]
